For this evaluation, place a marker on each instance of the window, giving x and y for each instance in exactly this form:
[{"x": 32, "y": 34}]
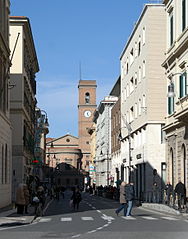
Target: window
[
  {"x": 139, "y": 47},
  {"x": 183, "y": 85},
  {"x": 131, "y": 85},
  {"x": 136, "y": 49},
  {"x": 139, "y": 74},
  {"x": 87, "y": 98},
  {"x": 170, "y": 105},
  {"x": 144, "y": 102},
  {"x": 139, "y": 107},
  {"x": 136, "y": 110},
  {"x": 135, "y": 79},
  {"x": 127, "y": 68},
  {"x": 144, "y": 69},
  {"x": 127, "y": 90},
  {"x": 171, "y": 29},
  {"x": 131, "y": 114},
  {"x": 183, "y": 15},
  {"x": 144, "y": 35},
  {"x": 131, "y": 56}
]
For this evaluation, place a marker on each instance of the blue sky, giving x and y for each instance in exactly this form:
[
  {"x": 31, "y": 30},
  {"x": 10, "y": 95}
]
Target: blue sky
[{"x": 66, "y": 32}]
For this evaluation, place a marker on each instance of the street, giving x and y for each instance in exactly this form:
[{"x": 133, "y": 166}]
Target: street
[{"x": 96, "y": 219}]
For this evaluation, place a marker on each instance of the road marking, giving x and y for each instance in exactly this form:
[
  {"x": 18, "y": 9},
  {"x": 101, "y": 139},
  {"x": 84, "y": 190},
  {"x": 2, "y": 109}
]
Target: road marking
[
  {"x": 99, "y": 228},
  {"x": 76, "y": 236},
  {"x": 45, "y": 219},
  {"x": 93, "y": 207},
  {"x": 87, "y": 218},
  {"x": 170, "y": 218},
  {"x": 129, "y": 218},
  {"x": 91, "y": 231},
  {"x": 66, "y": 219},
  {"x": 150, "y": 218},
  {"x": 99, "y": 211},
  {"x": 107, "y": 218}
]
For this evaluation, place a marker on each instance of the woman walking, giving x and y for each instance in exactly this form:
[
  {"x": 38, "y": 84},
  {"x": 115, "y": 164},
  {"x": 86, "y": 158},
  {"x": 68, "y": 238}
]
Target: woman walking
[
  {"x": 76, "y": 197},
  {"x": 122, "y": 200}
]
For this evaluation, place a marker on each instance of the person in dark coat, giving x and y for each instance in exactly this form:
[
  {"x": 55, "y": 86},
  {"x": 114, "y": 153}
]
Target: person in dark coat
[
  {"x": 76, "y": 197},
  {"x": 169, "y": 192},
  {"x": 129, "y": 197},
  {"x": 122, "y": 200},
  {"x": 181, "y": 192}
]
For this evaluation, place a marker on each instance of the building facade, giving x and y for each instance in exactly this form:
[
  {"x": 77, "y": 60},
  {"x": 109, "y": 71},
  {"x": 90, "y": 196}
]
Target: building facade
[
  {"x": 176, "y": 67},
  {"x": 117, "y": 167},
  {"x": 102, "y": 118},
  {"x": 86, "y": 108},
  {"x": 5, "y": 126},
  {"x": 63, "y": 157},
  {"x": 22, "y": 99},
  {"x": 143, "y": 92}
]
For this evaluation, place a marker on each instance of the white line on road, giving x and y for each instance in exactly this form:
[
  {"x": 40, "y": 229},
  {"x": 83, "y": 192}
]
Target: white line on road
[
  {"x": 99, "y": 228},
  {"x": 150, "y": 218},
  {"x": 87, "y": 218},
  {"x": 66, "y": 219},
  {"x": 170, "y": 218},
  {"x": 91, "y": 231},
  {"x": 129, "y": 218},
  {"x": 76, "y": 235},
  {"x": 99, "y": 211},
  {"x": 45, "y": 219},
  {"x": 93, "y": 207}
]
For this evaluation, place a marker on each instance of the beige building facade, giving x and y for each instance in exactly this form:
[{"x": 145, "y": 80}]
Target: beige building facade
[
  {"x": 143, "y": 101},
  {"x": 5, "y": 126},
  {"x": 63, "y": 157},
  {"x": 22, "y": 99},
  {"x": 176, "y": 67}
]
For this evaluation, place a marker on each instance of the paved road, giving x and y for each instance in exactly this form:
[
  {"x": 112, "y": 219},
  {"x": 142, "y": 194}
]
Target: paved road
[{"x": 96, "y": 219}]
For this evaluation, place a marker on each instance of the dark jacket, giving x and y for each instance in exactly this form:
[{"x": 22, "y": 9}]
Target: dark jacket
[
  {"x": 180, "y": 189},
  {"x": 129, "y": 192},
  {"x": 169, "y": 189}
]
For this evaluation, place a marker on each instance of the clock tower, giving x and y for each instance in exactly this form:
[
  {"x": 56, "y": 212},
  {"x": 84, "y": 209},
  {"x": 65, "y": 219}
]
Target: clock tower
[{"x": 86, "y": 108}]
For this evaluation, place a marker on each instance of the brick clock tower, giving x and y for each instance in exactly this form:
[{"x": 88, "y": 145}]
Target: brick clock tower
[{"x": 86, "y": 108}]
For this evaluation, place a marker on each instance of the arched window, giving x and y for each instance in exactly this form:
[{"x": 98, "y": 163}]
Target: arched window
[{"x": 87, "y": 98}]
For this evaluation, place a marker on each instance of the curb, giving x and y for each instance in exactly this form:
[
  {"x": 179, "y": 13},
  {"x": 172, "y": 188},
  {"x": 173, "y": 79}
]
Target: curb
[{"x": 160, "y": 208}]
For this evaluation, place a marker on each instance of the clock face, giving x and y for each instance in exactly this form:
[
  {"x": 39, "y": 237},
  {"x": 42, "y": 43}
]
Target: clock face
[{"x": 87, "y": 113}]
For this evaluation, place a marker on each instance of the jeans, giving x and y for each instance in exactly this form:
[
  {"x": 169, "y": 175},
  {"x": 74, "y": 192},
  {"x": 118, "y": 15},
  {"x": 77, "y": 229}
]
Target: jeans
[
  {"x": 129, "y": 208},
  {"x": 121, "y": 207}
]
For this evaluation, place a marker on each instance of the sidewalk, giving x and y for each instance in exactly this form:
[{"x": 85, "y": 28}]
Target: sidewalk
[
  {"x": 163, "y": 208},
  {"x": 11, "y": 218}
]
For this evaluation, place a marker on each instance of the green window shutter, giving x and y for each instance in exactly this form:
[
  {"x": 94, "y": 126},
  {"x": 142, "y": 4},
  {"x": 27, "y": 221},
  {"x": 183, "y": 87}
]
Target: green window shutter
[
  {"x": 181, "y": 86},
  {"x": 183, "y": 15},
  {"x": 170, "y": 105},
  {"x": 171, "y": 30}
]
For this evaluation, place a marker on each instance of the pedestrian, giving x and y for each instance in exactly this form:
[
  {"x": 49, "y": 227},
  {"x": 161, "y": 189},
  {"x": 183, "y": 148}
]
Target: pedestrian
[
  {"x": 155, "y": 190},
  {"x": 169, "y": 192},
  {"x": 129, "y": 197},
  {"x": 181, "y": 193},
  {"x": 122, "y": 200},
  {"x": 76, "y": 197},
  {"x": 20, "y": 199},
  {"x": 27, "y": 197}
]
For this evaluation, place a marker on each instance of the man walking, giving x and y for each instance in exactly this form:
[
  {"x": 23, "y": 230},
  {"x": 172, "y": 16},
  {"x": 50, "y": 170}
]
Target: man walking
[
  {"x": 181, "y": 193},
  {"x": 122, "y": 200},
  {"x": 129, "y": 196}
]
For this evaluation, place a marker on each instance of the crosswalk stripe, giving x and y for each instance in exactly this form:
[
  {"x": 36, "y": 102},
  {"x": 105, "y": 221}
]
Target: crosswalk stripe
[
  {"x": 129, "y": 218},
  {"x": 170, "y": 218},
  {"x": 66, "y": 219},
  {"x": 45, "y": 219},
  {"x": 150, "y": 218},
  {"x": 87, "y": 218}
]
